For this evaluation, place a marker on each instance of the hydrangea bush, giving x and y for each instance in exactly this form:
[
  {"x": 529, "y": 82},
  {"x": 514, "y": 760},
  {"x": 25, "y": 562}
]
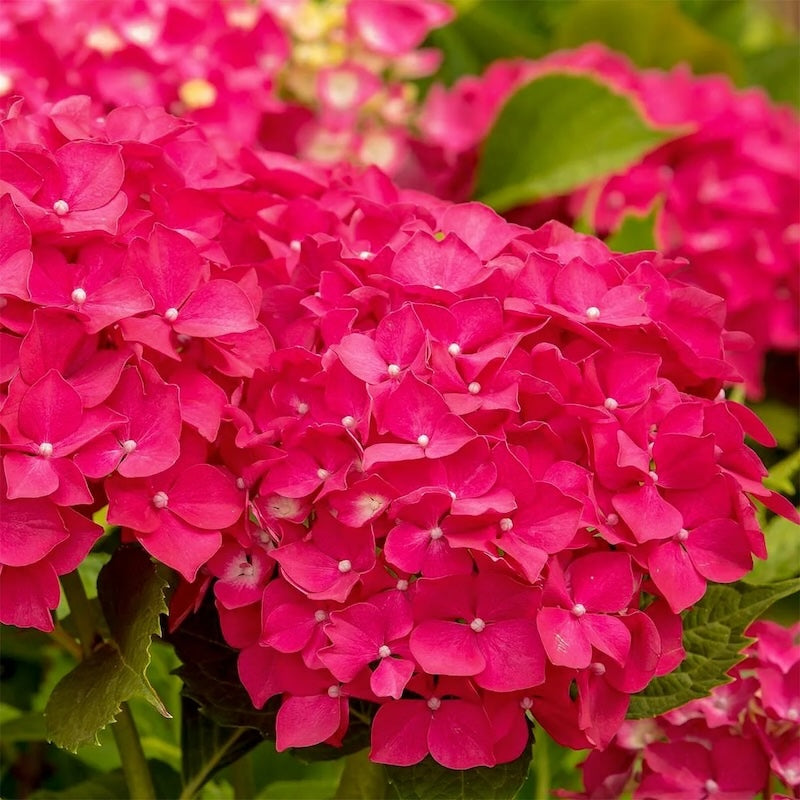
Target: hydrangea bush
[{"x": 440, "y": 479}]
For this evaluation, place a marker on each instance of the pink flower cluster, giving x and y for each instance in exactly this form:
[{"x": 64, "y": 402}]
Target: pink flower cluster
[
  {"x": 427, "y": 458},
  {"x": 329, "y": 81},
  {"x": 727, "y": 189},
  {"x": 733, "y": 744}
]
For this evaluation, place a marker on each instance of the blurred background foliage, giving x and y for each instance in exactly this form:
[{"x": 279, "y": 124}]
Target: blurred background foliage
[{"x": 755, "y": 43}]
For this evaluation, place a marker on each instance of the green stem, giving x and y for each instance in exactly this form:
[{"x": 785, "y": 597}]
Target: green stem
[
  {"x": 194, "y": 785},
  {"x": 542, "y": 761},
  {"x": 134, "y": 764},
  {"x": 81, "y": 611},
  {"x": 59, "y": 635},
  {"x": 244, "y": 787}
]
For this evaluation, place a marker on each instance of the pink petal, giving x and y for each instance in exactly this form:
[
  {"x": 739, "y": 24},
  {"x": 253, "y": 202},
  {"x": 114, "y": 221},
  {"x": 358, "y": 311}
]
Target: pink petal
[
  {"x": 460, "y": 736},
  {"x": 27, "y": 594},
  {"x": 514, "y": 656},
  {"x": 446, "y": 648},
  {"x": 602, "y": 581},
  {"x": 391, "y": 676},
  {"x": 180, "y": 546},
  {"x": 205, "y": 497},
  {"x": 29, "y": 476},
  {"x": 647, "y": 514},
  {"x": 50, "y": 410},
  {"x": 564, "y": 639},
  {"x": 673, "y": 572},
  {"x": 93, "y": 173},
  {"x": 305, "y": 721},
  {"x": 447, "y": 264},
  {"x": 720, "y": 550},
  {"x": 29, "y": 530},
  {"x": 400, "y": 733},
  {"x": 609, "y": 635},
  {"x": 217, "y": 308}
]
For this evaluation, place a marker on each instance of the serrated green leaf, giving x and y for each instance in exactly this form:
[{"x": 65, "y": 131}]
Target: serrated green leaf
[
  {"x": 208, "y": 747},
  {"x": 637, "y": 231},
  {"x": 652, "y": 34},
  {"x": 431, "y": 781},
  {"x": 557, "y": 133},
  {"x": 713, "y": 636},
  {"x": 783, "y": 549},
  {"x": 89, "y": 697}
]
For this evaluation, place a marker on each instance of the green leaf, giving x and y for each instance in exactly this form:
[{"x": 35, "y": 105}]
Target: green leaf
[
  {"x": 89, "y": 697},
  {"x": 557, "y": 133},
  {"x": 210, "y": 675},
  {"x": 208, "y": 747},
  {"x": 22, "y": 727},
  {"x": 778, "y": 71},
  {"x": 782, "y": 420},
  {"x": 652, "y": 34},
  {"x": 713, "y": 636},
  {"x": 431, "y": 781},
  {"x": 110, "y": 786},
  {"x": 783, "y": 548},
  {"x": 305, "y": 789},
  {"x": 781, "y": 475},
  {"x": 362, "y": 779},
  {"x": 637, "y": 231}
]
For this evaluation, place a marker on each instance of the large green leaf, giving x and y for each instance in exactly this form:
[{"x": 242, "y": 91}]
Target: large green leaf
[
  {"x": 652, "y": 34},
  {"x": 556, "y": 134},
  {"x": 783, "y": 547},
  {"x": 713, "y": 636},
  {"x": 89, "y": 697},
  {"x": 362, "y": 779},
  {"x": 431, "y": 781},
  {"x": 637, "y": 231}
]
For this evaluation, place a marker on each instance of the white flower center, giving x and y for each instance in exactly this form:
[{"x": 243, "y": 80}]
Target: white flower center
[
  {"x": 78, "y": 296},
  {"x": 61, "y": 207},
  {"x": 345, "y": 565},
  {"x": 402, "y": 585},
  {"x": 653, "y": 476},
  {"x": 348, "y": 421},
  {"x": 793, "y": 714},
  {"x": 45, "y": 449},
  {"x": 682, "y": 535},
  {"x": 323, "y": 474},
  {"x": 302, "y": 408},
  {"x": 712, "y": 785},
  {"x": 506, "y": 524},
  {"x": 474, "y": 387},
  {"x": 295, "y": 245},
  {"x": 437, "y": 533},
  {"x": 334, "y": 691},
  {"x": 423, "y": 440},
  {"x": 240, "y": 484},
  {"x": 365, "y": 255},
  {"x": 128, "y": 446},
  {"x": 579, "y": 609},
  {"x": 393, "y": 370},
  {"x": 593, "y": 312},
  {"x": 171, "y": 314},
  {"x": 597, "y": 668},
  {"x": 454, "y": 349},
  {"x": 246, "y": 568},
  {"x": 612, "y": 519},
  {"x": 434, "y": 703},
  {"x": 477, "y": 625},
  {"x": 320, "y": 615},
  {"x": 611, "y": 404},
  {"x": 160, "y": 499},
  {"x": 384, "y": 651},
  {"x": 526, "y": 703}
]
